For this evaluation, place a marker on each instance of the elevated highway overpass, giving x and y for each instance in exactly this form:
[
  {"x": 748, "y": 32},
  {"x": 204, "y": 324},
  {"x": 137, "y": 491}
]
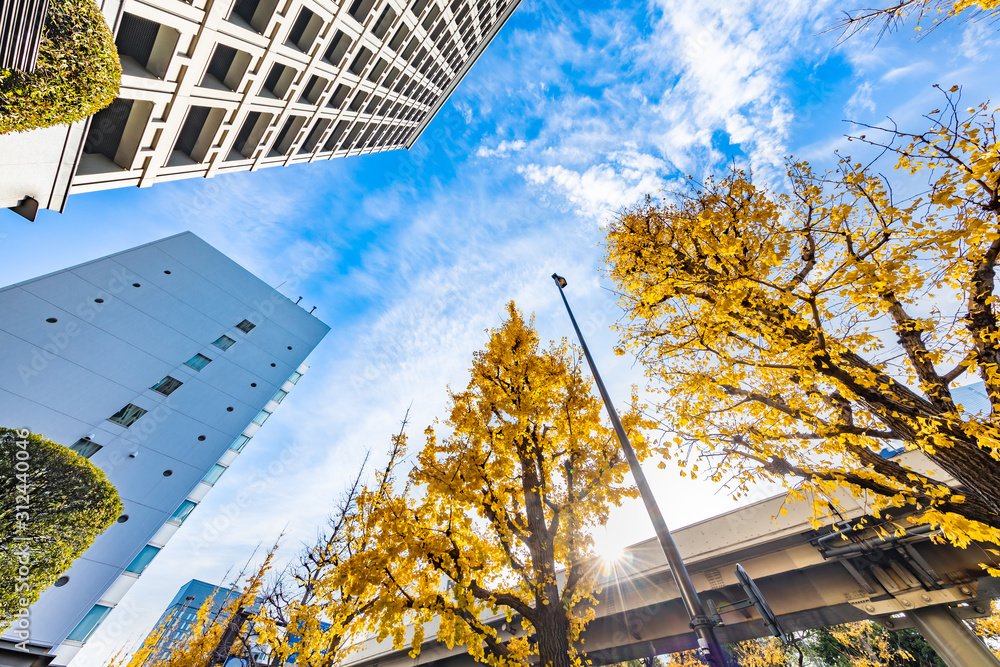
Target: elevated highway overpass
[{"x": 811, "y": 577}]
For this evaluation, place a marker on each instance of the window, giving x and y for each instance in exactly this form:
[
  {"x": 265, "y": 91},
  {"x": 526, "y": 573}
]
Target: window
[
  {"x": 286, "y": 137},
  {"x": 338, "y": 47},
  {"x": 339, "y": 95},
  {"x": 279, "y": 80},
  {"x": 182, "y": 512},
  {"x": 360, "y": 8},
  {"x": 261, "y": 417},
  {"x": 335, "y": 135},
  {"x": 213, "y": 475},
  {"x": 358, "y": 101},
  {"x": 385, "y": 20},
  {"x": 360, "y": 61},
  {"x": 313, "y": 90},
  {"x": 108, "y": 129},
  {"x": 280, "y": 396},
  {"x": 294, "y": 377},
  {"x": 86, "y": 627},
  {"x": 144, "y": 44},
  {"x": 309, "y": 145},
  {"x": 198, "y": 362},
  {"x": 167, "y": 385},
  {"x": 224, "y": 342},
  {"x": 255, "y": 13},
  {"x": 239, "y": 443},
  {"x": 128, "y": 415},
  {"x": 245, "y": 326},
  {"x": 218, "y": 66},
  {"x": 144, "y": 558},
  {"x": 85, "y": 448},
  {"x": 195, "y": 137},
  {"x": 298, "y": 35},
  {"x": 397, "y": 39},
  {"x": 249, "y": 136}
]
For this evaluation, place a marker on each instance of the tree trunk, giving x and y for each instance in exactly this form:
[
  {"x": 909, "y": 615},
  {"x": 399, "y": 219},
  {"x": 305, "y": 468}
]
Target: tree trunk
[
  {"x": 553, "y": 638},
  {"x": 975, "y": 470}
]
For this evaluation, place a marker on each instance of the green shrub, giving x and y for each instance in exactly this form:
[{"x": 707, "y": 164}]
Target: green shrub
[
  {"x": 54, "y": 503},
  {"x": 78, "y": 71}
]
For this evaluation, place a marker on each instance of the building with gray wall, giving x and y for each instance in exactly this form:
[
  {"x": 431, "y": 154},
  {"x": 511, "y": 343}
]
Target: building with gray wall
[{"x": 159, "y": 364}]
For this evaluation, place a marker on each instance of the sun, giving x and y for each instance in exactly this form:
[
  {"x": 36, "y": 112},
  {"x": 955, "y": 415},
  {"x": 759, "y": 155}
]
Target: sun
[
  {"x": 608, "y": 545},
  {"x": 610, "y": 553}
]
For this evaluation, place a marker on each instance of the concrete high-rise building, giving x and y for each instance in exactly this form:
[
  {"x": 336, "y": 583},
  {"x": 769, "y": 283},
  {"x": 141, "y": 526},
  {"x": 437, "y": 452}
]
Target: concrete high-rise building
[
  {"x": 159, "y": 364},
  {"x": 216, "y": 86}
]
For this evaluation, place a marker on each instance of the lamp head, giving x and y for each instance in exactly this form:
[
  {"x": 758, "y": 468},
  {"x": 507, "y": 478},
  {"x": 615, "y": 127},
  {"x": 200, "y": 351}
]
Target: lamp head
[{"x": 559, "y": 280}]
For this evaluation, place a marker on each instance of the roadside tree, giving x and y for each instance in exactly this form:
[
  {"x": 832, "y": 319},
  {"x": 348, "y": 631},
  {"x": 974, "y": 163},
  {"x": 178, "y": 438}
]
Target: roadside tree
[
  {"x": 497, "y": 514},
  {"x": 807, "y": 337},
  {"x": 53, "y": 505},
  {"x": 77, "y": 74},
  {"x": 317, "y": 610}
]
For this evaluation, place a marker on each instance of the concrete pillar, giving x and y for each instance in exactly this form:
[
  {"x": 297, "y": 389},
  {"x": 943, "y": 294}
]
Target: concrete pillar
[{"x": 954, "y": 642}]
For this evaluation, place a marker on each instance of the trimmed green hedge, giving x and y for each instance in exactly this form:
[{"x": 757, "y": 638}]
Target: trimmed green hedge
[
  {"x": 78, "y": 71},
  {"x": 53, "y": 505}
]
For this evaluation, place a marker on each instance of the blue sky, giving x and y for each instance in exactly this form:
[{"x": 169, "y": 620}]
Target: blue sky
[{"x": 576, "y": 109}]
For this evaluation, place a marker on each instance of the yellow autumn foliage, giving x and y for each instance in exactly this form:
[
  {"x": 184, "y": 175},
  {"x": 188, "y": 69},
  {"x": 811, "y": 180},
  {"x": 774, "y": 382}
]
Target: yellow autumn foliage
[
  {"x": 197, "y": 647},
  {"x": 496, "y": 517},
  {"x": 802, "y": 336}
]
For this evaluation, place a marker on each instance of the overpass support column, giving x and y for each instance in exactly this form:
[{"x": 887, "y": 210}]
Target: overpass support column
[{"x": 954, "y": 642}]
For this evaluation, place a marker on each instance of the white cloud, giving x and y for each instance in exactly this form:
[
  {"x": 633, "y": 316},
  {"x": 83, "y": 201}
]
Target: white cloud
[
  {"x": 861, "y": 100},
  {"x": 503, "y": 149},
  {"x": 704, "y": 76},
  {"x": 901, "y": 72},
  {"x": 980, "y": 40},
  {"x": 601, "y": 190}
]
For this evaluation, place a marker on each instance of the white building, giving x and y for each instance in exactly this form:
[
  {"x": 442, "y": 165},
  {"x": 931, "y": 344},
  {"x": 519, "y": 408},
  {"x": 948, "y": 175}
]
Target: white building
[
  {"x": 158, "y": 363},
  {"x": 215, "y": 86}
]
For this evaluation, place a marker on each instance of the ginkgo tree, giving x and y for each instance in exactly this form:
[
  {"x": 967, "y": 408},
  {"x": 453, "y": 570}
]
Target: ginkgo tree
[
  {"x": 804, "y": 336},
  {"x": 220, "y": 629},
  {"x": 496, "y": 516},
  {"x": 316, "y": 611}
]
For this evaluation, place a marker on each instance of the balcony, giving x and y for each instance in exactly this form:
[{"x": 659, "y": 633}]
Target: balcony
[{"x": 145, "y": 47}]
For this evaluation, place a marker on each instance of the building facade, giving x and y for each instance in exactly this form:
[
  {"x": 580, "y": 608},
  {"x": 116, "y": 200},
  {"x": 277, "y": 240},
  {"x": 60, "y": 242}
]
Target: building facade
[
  {"x": 216, "y": 86},
  {"x": 178, "y": 621},
  {"x": 159, "y": 364}
]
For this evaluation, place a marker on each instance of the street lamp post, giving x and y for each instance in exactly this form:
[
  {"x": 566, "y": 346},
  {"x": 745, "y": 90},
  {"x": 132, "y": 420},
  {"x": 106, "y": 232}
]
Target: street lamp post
[{"x": 702, "y": 624}]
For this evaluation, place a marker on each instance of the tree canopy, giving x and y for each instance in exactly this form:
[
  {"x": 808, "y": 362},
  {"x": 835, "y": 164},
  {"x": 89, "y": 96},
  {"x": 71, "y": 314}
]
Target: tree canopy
[
  {"x": 497, "y": 512},
  {"x": 77, "y": 74},
  {"x": 317, "y": 611},
  {"x": 806, "y": 336},
  {"x": 53, "y": 505}
]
